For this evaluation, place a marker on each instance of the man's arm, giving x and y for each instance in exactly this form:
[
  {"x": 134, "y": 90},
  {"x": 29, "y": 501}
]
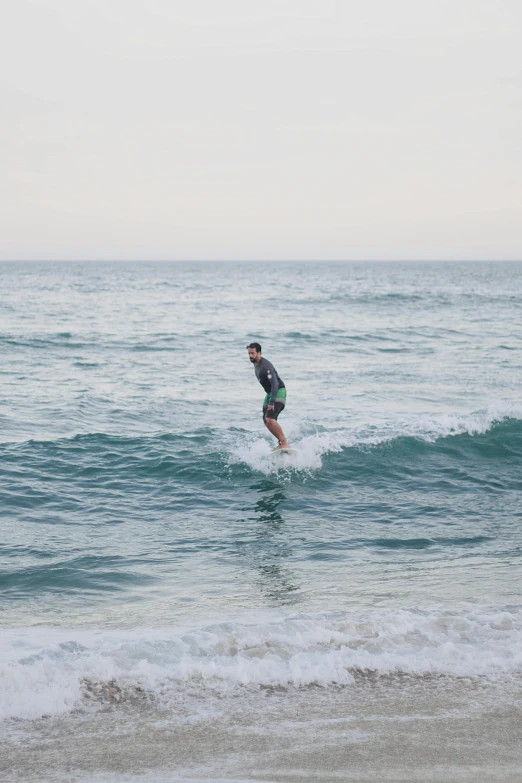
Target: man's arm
[{"x": 274, "y": 383}]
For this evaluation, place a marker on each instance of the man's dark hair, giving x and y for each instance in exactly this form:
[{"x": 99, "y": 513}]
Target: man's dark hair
[{"x": 256, "y": 346}]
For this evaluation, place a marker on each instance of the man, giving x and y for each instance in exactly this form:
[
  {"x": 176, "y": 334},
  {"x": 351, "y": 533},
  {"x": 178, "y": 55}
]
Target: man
[{"x": 275, "y": 397}]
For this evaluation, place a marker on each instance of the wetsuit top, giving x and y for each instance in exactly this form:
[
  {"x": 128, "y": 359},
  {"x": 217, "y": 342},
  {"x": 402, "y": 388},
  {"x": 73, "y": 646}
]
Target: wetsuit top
[{"x": 267, "y": 376}]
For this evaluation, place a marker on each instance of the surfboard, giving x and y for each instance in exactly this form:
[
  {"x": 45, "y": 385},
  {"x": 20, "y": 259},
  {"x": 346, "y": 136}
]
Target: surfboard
[{"x": 284, "y": 451}]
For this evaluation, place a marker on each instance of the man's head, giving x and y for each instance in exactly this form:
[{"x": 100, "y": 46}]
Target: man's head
[{"x": 254, "y": 352}]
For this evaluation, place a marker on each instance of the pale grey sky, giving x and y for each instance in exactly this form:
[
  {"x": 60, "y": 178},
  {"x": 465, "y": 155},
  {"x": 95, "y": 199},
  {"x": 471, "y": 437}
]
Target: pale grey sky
[{"x": 274, "y": 129}]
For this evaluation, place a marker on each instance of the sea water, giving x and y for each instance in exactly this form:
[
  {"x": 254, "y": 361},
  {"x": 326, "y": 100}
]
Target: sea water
[{"x": 179, "y": 604}]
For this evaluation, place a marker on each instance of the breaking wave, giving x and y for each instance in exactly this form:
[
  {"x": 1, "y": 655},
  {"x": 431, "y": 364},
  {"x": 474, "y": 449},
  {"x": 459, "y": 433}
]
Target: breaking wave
[{"x": 51, "y": 671}]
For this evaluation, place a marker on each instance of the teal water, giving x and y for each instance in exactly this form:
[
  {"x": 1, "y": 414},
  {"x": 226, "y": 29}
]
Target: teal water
[{"x": 149, "y": 536}]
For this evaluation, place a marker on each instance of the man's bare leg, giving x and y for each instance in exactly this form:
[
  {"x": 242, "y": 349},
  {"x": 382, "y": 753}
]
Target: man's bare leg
[{"x": 278, "y": 433}]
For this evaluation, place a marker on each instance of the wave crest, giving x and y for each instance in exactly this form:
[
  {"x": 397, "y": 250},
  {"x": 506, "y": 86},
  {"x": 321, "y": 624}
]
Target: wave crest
[{"x": 501, "y": 425}]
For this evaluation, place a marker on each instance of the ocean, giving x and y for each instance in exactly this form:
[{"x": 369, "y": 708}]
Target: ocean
[{"x": 179, "y": 604}]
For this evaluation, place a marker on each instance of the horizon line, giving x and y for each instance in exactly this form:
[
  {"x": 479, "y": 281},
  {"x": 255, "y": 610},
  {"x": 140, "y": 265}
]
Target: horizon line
[{"x": 260, "y": 260}]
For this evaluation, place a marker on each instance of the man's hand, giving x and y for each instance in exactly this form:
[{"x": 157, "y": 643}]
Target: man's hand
[{"x": 270, "y": 408}]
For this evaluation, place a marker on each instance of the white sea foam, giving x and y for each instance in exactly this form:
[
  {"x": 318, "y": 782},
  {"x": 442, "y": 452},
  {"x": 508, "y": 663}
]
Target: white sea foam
[
  {"x": 47, "y": 671},
  {"x": 311, "y": 446}
]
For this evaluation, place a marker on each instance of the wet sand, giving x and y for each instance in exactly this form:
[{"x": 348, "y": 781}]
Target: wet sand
[{"x": 397, "y": 729}]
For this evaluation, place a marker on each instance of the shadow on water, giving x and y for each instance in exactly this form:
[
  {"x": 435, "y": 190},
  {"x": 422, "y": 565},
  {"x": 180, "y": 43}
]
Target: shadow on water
[{"x": 268, "y": 546}]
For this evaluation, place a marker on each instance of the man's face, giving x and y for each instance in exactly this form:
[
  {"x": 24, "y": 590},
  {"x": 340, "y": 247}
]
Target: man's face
[{"x": 253, "y": 355}]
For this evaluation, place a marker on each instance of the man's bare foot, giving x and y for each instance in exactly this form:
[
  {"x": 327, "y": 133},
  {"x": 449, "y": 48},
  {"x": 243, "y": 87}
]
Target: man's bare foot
[{"x": 284, "y": 445}]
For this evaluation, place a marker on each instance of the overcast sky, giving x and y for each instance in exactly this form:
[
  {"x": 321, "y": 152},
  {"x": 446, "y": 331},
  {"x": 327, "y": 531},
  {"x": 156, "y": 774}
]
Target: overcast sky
[{"x": 261, "y": 129}]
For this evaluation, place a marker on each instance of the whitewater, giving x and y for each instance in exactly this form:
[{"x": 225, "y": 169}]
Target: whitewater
[{"x": 178, "y": 604}]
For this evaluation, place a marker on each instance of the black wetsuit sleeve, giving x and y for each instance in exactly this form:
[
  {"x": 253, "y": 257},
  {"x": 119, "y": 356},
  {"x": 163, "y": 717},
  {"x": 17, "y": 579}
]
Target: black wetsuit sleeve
[{"x": 274, "y": 381}]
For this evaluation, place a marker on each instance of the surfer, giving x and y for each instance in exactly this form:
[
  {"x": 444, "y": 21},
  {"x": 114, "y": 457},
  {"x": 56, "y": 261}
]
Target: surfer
[{"x": 275, "y": 397}]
